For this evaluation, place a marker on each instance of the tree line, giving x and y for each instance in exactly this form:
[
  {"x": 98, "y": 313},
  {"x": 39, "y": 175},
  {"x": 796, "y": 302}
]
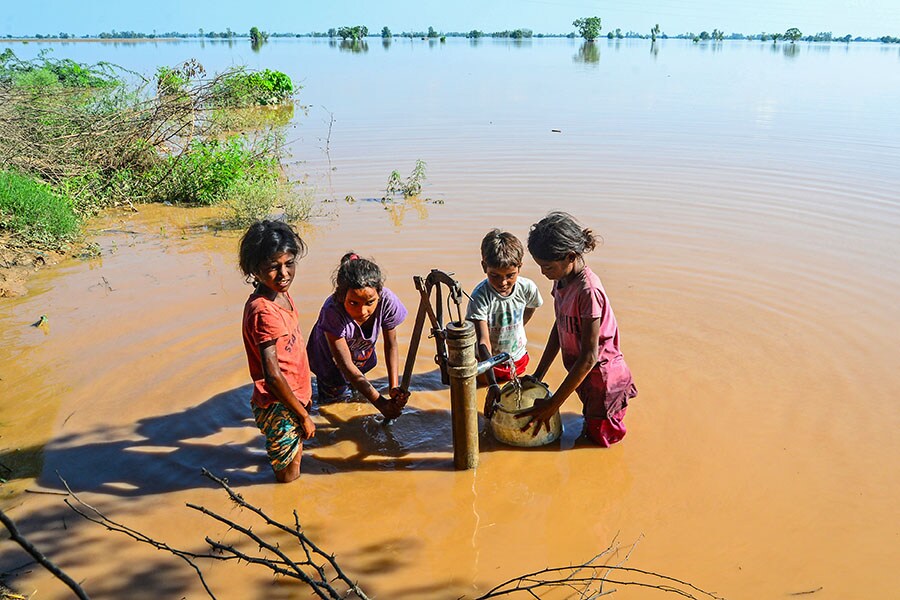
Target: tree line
[{"x": 588, "y": 28}]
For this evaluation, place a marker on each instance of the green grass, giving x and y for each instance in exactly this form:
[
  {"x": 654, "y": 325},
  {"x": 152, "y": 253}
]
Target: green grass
[{"x": 35, "y": 211}]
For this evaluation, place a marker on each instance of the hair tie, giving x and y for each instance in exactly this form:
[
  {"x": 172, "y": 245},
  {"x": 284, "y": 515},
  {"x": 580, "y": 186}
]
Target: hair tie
[{"x": 353, "y": 257}]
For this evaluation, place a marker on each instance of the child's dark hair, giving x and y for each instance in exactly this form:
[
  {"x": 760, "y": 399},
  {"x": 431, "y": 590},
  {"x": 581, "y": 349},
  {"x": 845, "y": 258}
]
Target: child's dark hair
[
  {"x": 558, "y": 234},
  {"x": 263, "y": 240},
  {"x": 355, "y": 273},
  {"x": 501, "y": 250}
]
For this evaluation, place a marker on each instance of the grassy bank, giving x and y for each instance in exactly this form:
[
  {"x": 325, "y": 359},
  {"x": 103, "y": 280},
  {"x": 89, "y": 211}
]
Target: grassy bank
[
  {"x": 34, "y": 211},
  {"x": 77, "y": 138}
]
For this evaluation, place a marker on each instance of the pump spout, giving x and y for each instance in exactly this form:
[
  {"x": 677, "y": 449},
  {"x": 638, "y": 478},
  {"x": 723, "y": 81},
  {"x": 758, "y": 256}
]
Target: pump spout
[{"x": 490, "y": 363}]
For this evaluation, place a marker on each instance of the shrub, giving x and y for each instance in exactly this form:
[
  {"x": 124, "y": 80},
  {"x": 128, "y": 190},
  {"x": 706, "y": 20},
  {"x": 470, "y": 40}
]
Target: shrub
[
  {"x": 207, "y": 171},
  {"x": 65, "y": 72},
  {"x": 32, "y": 209},
  {"x": 256, "y": 88},
  {"x": 170, "y": 81}
]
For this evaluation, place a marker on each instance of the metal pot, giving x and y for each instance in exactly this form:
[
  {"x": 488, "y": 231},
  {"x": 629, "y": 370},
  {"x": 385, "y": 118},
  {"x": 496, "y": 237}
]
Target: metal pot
[{"x": 505, "y": 424}]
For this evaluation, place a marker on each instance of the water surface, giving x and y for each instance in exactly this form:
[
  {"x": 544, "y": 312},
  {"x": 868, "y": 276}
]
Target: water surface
[{"x": 746, "y": 194}]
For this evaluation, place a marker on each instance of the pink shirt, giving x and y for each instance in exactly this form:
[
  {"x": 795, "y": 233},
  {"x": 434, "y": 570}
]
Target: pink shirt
[
  {"x": 265, "y": 321},
  {"x": 608, "y": 385}
]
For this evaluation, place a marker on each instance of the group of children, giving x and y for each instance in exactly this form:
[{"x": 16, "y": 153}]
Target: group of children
[{"x": 341, "y": 347}]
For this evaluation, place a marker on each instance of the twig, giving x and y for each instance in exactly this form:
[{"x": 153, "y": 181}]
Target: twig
[
  {"x": 281, "y": 564},
  {"x": 38, "y": 556},
  {"x": 101, "y": 519},
  {"x": 50, "y": 492}
]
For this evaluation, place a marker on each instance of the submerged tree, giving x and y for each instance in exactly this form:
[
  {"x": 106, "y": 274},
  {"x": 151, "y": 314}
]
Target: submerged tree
[
  {"x": 588, "y": 27},
  {"x": 654, "y": 32},
  {"x": 355, "y": 33},
  {"x": 792, "y": 34},
  {"x": 386, "y": 33},
  {"x": 257, "y": 37}
]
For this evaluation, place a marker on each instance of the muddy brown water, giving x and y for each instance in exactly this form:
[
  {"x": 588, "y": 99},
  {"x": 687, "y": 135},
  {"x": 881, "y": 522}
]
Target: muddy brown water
[{"x": 752, "y": 269}]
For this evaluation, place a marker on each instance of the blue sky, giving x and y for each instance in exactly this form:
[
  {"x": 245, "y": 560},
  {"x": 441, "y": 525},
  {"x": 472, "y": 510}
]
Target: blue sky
[{"x": 857, "y": 17}]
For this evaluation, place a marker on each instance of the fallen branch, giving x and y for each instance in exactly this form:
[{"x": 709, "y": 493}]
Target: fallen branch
[
  {"x": 39, "y": 557},
  {"x": 587, "y": 580},
  {"x": 314, "y": 569},
  {"x": 320, "y": 571}
]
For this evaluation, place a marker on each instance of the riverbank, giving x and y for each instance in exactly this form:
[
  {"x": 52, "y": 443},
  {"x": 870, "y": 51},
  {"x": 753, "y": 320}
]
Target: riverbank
[{"x": 19, "y": 262}]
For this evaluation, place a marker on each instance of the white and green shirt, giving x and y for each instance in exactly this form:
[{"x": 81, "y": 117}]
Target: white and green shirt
[{"x": 504, "y": 315}]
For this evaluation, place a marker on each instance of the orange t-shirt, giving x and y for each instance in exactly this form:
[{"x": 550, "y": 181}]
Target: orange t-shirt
[{"x": 264, "y": 321}]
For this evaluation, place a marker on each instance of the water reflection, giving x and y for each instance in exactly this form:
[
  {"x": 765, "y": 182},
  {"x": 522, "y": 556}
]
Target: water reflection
[
  {"x": 354, "y": 46},
  {"x": 588, "y": 52},
  {"x": 654, "y": 48},
  {"x": 397, "y": 210},
  {"x": 791, "y": 51},
  {"x": 386, "y": 43}
]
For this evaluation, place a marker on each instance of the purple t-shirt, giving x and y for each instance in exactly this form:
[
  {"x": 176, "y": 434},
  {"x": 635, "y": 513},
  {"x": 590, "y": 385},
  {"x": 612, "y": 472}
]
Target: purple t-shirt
[
  {"x": 608, "y": 385},
  {"x": 333, "y": 319}
]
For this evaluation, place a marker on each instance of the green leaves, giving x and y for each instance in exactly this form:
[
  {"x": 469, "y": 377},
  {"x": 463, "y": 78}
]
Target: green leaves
[
  {"x": 588, "y": 27},
  {"x": 260, "y": 88}
]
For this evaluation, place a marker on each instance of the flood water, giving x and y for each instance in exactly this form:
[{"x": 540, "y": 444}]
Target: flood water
[{"x": 747, "y": 196}]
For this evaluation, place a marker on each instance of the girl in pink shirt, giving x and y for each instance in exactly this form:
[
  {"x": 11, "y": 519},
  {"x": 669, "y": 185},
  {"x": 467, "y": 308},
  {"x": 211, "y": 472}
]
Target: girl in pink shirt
[
  {"x": 585, "y": 331},
  {"x": 276, "y": 352}
]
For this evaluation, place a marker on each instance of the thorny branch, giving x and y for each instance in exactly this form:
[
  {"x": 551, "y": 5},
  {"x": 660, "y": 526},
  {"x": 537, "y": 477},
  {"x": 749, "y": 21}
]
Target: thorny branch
[
  {"x": 38, "y": 556},
  {"x": 320, "y": 570},
  {"x": 270, "y": 554},
  {"x": 587, "y": 580}
]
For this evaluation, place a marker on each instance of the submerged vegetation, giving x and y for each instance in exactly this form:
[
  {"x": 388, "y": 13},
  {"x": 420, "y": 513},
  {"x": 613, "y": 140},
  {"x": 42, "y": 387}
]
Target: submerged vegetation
[
  {"x": 76, "y": 138},
  {"x": 412, "y": 186}
]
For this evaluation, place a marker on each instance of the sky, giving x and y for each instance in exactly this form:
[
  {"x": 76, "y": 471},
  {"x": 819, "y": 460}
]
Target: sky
[{"x": 867, "y": 18}]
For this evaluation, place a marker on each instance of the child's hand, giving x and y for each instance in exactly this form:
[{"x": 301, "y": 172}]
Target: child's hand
[
  {"x": 491, "y": 399},
  {"x": 399, "y": 396},
  {"x": 307, "y": 427},
  {"x": 387, "y": 407},
  {"x": 539, "y": 415}
]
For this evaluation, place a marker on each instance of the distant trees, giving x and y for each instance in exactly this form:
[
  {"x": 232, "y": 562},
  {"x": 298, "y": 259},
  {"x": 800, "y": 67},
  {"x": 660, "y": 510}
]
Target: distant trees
[
  {"x": 516, "y": 34},
  {"x": 776, "y": 37},
  {"x": 386, "y": 33},
  {"x": 355, "y": 33},
  {"x": 475, "y": 33},
  {"x": 431, "y": 32},
  {"x": 792, "y": 34},
  {"x": 257, "y": 37},
  {"x": 588, "y": 27},
  {"x": 654, "y": 32}
]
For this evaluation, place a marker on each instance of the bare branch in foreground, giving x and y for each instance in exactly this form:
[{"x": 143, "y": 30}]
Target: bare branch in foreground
[
  {"x": 319, "y": 570},
  {"x": 313, "y": 570},
  {"x": 38, "y": 556},
  {"x": 586, "y": 580}
]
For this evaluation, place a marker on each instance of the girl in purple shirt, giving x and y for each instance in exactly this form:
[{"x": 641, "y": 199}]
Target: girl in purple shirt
[
  {"x": 341, "y": 345},
  {"x": 585, "y": 331}
]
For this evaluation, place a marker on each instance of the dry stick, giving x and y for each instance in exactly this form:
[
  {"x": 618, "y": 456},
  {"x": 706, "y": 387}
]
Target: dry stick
[
  {"x": 298, "y": 572},
  {"x": 111, "y": 525},
  {"x": 45, "y": 562},
  {"x": 533, "y": 582},
  {"x": 222, "y": 552},
  {"x": 296, "y": 532}
]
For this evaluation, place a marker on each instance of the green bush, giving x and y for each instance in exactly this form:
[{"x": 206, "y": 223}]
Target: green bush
[
  {"x": 255, "y": 88},
  {"x": 33, "y": 210},
  {"x": 209, "y": 169},
  {"x": 65, "y": 72},
  {"x": 170, "y": 81}
]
